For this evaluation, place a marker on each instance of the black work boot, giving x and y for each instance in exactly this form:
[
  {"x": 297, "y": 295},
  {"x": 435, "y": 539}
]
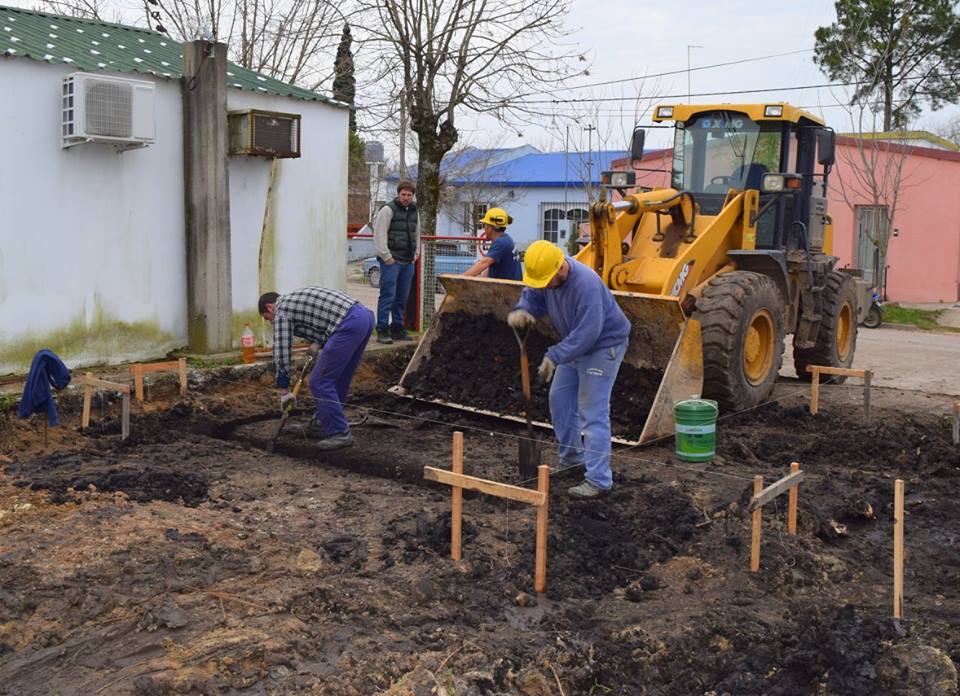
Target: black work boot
[
  {"x": 384, "y": 337},
  {"x": 398, "y": 333}
]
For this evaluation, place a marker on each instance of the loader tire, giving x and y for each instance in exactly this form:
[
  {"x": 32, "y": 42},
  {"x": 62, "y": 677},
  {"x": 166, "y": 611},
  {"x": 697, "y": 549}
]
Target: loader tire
[
  {"x": 837, "y": 337},
  {"x": 741, "y": 319}
]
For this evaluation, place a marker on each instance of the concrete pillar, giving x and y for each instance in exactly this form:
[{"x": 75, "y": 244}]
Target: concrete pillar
[{"x": 206, "y": 195}]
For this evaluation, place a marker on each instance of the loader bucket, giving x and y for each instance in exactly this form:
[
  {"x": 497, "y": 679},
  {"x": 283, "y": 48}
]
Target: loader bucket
[{"x": 662, "y": 343}]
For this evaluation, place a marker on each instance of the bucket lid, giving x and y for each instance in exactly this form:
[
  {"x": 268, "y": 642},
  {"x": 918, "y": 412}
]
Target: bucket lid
[{"x": 697, "y": 405}]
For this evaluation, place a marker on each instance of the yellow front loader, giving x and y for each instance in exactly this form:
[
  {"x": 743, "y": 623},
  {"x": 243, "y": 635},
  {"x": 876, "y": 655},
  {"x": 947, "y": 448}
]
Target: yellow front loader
[{"x": 717, "y": 269}]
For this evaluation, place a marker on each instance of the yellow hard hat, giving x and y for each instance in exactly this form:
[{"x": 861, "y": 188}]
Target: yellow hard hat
[
  {"x": 497, "y": 217},
  {"x": 541, "y": 262}
]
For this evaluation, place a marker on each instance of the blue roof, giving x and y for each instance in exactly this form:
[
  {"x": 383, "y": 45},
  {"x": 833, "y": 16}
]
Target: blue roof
[
  {"x": 531, "y": 169},
  {"x": 546, "y": 169}
]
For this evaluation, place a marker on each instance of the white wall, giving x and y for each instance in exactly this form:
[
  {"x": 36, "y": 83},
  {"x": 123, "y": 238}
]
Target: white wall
[
  {"x": 309, "y": 206},
  {"x": 524, "y": 208},
  {"x": 92, "y": 247},
  {"x": 90, "y": 239}
]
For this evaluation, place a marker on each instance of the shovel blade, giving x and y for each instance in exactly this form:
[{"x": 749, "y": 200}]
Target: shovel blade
[{"x": 529, "y": 450}]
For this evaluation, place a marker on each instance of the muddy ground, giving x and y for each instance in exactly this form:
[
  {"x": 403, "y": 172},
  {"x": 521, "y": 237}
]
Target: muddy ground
[
  {"x": 486, "y": 374},
  {"x": 190, "y": 560}
]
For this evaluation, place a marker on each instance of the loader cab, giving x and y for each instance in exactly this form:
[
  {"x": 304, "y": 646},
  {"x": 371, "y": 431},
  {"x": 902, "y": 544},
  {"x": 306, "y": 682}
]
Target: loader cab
[{"x": 720, "y": 148}]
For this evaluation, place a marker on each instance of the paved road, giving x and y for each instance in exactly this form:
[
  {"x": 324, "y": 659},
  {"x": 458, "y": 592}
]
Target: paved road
[{"x": 918, "y": 360}]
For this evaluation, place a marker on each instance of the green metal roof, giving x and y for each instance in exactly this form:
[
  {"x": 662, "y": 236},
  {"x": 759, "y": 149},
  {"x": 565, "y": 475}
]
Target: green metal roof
[{"x": 92, "y": 45}]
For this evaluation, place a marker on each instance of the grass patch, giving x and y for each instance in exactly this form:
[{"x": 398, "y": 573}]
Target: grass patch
[
  {"x": 8, "y": 401},
  {"x": 921, "y": 318}
]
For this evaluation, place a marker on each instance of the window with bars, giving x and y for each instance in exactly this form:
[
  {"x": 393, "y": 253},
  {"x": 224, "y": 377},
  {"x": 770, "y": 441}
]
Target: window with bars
[{"x": 558, "y": 219}]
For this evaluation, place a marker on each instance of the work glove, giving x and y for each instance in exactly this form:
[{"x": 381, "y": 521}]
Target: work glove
[
  {"x": 288, "y": 400},
  {"x": 546, "y": 369},
  {"x": 314, "y": 350},
  {"x": 520, "y": 318}
]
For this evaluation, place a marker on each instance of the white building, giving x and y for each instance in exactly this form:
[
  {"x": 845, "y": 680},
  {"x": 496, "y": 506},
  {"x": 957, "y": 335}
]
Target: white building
[{"x": 92, "y": 247}]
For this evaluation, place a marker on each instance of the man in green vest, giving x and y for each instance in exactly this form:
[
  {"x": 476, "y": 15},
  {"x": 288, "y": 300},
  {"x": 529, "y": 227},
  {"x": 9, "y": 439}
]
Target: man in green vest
[{"x": 396, "y": 239}]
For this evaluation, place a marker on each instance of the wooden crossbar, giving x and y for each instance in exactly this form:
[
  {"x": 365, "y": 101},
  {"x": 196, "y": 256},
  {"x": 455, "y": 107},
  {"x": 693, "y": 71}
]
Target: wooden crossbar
[
  {"x": 788, "y": 484},
  {"x": 494, "y": 488},
  {"x": 139, "y": 369},
  {"x": 817, "y": 370},
  {"x": 92, "y": 381},
  {"x": 775, "y": 489},
  {"x": 841, "y": 371},
  {"x": 89, "y": 382},
  {"x": 458, "y": 481}
]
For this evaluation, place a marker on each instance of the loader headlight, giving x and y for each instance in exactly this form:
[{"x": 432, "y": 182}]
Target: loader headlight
[
  {"x": 778, "y": 183},
  {"x": 773, "y": 111},
  {"x": 619, "y": 179},
  {"x": 664, "y": 112},
  {"x": 771, "y": 183}
]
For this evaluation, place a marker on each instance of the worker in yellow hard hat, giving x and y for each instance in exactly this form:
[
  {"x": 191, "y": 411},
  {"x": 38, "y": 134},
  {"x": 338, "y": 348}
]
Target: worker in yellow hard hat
[
  {"x": 500, "y": 261},
  {"x": 583, "y": 366}
]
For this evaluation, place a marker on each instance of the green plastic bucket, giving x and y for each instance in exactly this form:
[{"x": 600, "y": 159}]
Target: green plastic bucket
[{"x": 696, "y": 429}]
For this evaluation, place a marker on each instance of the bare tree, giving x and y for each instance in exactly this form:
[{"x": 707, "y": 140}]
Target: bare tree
[
  {"x": 290, "y": 40},
  {"x": 451, "y": 56},
  {"x": 466, "y": 191},
  {"x": 949, "y": 130},
  {"x": 874, "y": 175}
]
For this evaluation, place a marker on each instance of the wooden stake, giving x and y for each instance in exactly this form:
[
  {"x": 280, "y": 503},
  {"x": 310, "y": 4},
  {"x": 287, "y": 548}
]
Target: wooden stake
[
  {"x": 755, "y": 543},
  {"x": 543, "y": 485},
  {"x": 814, "y": 390},
  {"x": 457, "y": 518},
  {"x": 182, "y": 368},
  {"x": 125, "y": 417},
  {"x": 138, "y": 381},
  {"x": 956, "y": 423},
  {"x": 867, "y": 377},
  {"x": 87, "y": 394},
  {"x": 472, "y": 483},
  {"x": 792, "y": 502},
  {"x": 898, "y": 549}
]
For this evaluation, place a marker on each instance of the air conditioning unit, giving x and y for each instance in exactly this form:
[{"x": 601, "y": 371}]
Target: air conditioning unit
[
  {"x": 264, "y": 133},
  {"x": 104, "y": 109}
]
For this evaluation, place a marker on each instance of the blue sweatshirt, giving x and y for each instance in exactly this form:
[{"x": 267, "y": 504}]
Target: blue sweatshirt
[
  {"x": 584, "y": 312},
  {"x": 46, "y": 369}
]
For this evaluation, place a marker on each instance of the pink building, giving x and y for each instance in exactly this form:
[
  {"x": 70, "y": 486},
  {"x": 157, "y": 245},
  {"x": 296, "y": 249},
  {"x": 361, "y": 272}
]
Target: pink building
[{"x": 923, "y": 257}]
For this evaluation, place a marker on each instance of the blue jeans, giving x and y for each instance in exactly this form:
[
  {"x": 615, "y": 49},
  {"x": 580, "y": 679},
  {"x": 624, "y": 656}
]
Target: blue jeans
[
  {"x": 395, "y": 279},
  {"x": 331, "y": 376},
  {"x": 580, "y": 410}
]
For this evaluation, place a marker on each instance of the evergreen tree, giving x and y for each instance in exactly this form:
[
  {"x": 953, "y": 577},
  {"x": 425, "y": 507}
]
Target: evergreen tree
[
  {"x": 344, "y": 82},
  {"x": 902, "y": 52}
]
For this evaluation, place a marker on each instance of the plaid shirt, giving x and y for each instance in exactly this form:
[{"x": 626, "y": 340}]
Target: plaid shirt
[{"x": 312, "y": 313}]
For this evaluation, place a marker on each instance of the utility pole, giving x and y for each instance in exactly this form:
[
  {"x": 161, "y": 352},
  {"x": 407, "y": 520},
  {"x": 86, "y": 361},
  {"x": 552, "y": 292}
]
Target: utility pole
[
  {"x": 403, "y": 133},
  {"x": 689, "y": 91},
  {"x": 590, "y": 128},
  {"x": 566, "y": 174}
]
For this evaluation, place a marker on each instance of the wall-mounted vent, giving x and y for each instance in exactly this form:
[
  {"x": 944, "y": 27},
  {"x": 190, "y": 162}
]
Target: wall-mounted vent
[
  {"x": 264, "y": 133},
  {"x": 103, "y": 109}
]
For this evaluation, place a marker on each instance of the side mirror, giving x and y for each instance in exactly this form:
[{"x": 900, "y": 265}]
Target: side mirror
[
  {"x": 826, "y": 143},
  {"x": 636, "y": 146}
]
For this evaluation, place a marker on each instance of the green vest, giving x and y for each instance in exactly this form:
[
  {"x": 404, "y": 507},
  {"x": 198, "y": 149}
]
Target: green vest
[{"x": 402, "y": 233}]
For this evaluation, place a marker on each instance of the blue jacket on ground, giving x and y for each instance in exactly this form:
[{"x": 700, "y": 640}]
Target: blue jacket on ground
[
  {"x": 582, "y": 309},
  {"x": 45, "y": 370}
]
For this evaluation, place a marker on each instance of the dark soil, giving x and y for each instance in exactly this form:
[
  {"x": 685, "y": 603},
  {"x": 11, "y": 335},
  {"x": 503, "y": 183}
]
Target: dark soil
[
  {"x": 223, "y": 569},
  {"x": 475, "y": 361}
]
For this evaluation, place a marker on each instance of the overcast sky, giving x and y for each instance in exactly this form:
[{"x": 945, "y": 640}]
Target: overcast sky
[{"x": 626, "y": 38}]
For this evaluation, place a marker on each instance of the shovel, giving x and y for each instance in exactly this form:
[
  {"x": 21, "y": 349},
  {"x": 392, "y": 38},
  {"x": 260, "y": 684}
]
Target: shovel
[
  {"x": 286, "y": 412},
  {"x": 529, "y": 447}
]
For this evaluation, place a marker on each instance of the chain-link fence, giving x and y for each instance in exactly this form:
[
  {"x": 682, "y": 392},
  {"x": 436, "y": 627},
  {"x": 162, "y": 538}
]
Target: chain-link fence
[{"x": 442, "y": 256}]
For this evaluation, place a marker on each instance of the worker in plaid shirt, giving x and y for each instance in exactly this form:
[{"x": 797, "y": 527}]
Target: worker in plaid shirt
[{"x": 339, "y": 327}]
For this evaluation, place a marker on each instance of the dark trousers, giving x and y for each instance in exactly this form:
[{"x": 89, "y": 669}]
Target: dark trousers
[
  {"x": 395, "y": 279},
  {"x": 336, "y": 365}
]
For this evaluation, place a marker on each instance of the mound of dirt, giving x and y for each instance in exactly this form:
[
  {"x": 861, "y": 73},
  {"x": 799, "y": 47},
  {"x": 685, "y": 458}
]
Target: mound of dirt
[{"x": 475, "y": 361}]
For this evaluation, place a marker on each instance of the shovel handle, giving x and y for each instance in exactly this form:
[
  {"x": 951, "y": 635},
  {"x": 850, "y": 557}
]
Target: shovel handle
[{"x": 524, "y": 362}]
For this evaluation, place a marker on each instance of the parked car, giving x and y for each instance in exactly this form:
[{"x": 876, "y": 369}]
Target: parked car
[{"x": 454, "y": 262}]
